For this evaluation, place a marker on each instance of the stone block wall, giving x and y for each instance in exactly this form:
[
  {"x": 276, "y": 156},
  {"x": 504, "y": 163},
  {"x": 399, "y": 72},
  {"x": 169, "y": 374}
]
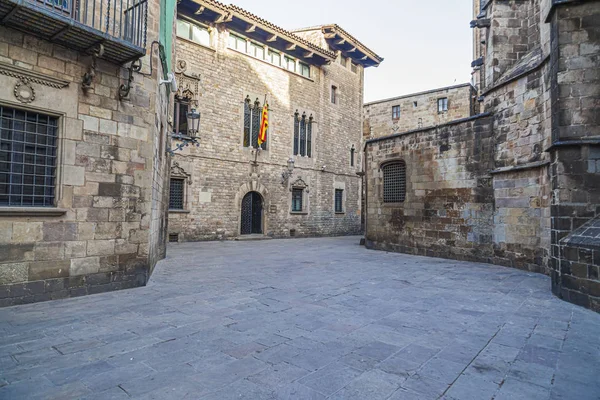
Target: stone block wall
[
  {"x": 378, "y": 121},
  {"x": 104, "y": 232},
  {"x": 449, "y": 207},
  {"x": 221, "y": 171}
]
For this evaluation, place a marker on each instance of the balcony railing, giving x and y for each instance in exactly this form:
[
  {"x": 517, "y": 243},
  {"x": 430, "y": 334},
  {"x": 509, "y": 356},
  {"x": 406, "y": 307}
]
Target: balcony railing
[{"x": 119, "y": 25}]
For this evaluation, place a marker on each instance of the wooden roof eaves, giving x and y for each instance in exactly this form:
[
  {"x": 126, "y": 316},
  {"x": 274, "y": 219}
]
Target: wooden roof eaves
[{"x": 338, "y": 31}]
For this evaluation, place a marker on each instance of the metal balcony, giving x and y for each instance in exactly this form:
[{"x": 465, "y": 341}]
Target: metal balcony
[{"x": 82, "y": 25}]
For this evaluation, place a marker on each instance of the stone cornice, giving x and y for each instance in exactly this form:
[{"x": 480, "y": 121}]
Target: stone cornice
[{"x": 31, "y": 76}]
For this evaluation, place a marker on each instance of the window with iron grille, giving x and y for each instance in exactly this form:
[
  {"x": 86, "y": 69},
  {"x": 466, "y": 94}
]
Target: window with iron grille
[
  {"x": 394, "y": 182},
  {"x": 395, "y": 112},
  {"x": 303, "y": 134},
  {"x": 339, "y": 200},
  {"x": 176, "y": 194},
  {"x": 297, "y": 200},
  {"x": 252, "y": 116},
  {"x": 443, "y": 105},
  {"x": 28, "y": 149}
]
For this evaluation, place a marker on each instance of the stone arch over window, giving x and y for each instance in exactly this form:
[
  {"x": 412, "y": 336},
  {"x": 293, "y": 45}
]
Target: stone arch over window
[
  {"x": 252, "y": 117},
  {"x": 394, "y": 181},
  {"x": 303, "y": 134}
]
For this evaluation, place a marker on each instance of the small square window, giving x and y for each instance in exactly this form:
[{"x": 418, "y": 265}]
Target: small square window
[
  {"x": 275, "y": 58},
  {"x": 238, "y": 43},
  {"x": 290, "y": 64},
  {"x": 304, "y": 70},
  {"x": 442, "y": 105},
  {"x": 396, "y": 112},
  {"x": 257, "y": 50},
  {"x": 297, "y": 200}
]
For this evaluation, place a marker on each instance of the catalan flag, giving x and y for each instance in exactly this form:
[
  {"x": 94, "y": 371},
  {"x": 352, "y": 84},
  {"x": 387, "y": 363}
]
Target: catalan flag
[{"x": 264, "y": 125}]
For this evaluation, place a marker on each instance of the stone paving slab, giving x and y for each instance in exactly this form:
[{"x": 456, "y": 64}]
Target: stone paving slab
[{"x": 306, "y": 319}]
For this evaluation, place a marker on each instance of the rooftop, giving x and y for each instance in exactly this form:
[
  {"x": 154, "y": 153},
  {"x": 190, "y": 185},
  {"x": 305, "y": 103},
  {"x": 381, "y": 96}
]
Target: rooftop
[{"x": 418, "y": 93}]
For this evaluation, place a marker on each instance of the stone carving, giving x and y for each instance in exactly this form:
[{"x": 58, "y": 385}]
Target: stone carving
[
  {"x": 24, "y": 92},
  {"x": 299, "y": 184},
  {"x": 187, "y": 84},
  {"x": 179, "y": 172},
  {"x": 31, "y": 76}
]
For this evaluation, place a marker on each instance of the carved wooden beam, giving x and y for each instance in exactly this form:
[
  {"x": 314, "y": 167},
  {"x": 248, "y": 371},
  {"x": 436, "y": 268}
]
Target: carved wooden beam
[
  {"x": 251, "y": 28},
  {"x": 352, "y": 50},
  {"x": 330, "y": 35},
  {"x": 271, "y": 38},
  {"x": 309, "y": 54},
  {"x": 223, "y": 18},
  {"x": 200, "y": 10},
  {"x": 340, "y": 42},
  {"x": 291, "y": 47}
]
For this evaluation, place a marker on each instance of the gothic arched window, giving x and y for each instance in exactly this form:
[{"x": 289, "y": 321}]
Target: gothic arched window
[
  {"x": 252, "y": 115},
  {"x": 302, "y": 135}
]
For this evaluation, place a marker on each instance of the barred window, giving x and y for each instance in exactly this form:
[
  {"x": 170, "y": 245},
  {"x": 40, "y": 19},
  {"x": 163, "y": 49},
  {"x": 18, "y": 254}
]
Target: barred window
[
  {"x": 339, "y": 200},
  {"x": 303, "y": 134},
  {"x": 443, "y": 105},
  {"x": 394, "y": 182},
  {"x": 28, "y": 148},
  {"x": 297, "y": 200},
  {"x": 252, "y": 115},
  {"x": 176, "y": 194}
]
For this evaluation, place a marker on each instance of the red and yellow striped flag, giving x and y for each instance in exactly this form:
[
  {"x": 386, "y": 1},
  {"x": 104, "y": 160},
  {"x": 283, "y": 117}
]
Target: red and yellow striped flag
[{"x": 264, "y": 125}]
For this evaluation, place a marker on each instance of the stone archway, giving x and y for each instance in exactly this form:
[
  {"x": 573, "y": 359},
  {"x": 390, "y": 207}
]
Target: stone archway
[{"x": 244, "y": 190}]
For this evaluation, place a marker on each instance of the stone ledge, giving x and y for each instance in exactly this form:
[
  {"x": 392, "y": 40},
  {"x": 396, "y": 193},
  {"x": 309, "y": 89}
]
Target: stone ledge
[
  {"x": 533, "y": 165},
  {"x": 32, "y": 212}
]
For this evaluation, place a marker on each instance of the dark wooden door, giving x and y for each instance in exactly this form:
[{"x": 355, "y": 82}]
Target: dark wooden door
[{"x": 252, "y": 212}]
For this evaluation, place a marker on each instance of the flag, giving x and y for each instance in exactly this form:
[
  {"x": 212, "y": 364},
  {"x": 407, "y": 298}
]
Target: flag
[{"x": 264, "y": 125}]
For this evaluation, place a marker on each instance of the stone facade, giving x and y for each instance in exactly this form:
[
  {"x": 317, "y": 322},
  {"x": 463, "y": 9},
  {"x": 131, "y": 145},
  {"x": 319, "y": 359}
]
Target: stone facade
[
  {"x": 538, "y": 188},
  {"x": 418, "y": 110},
  {"x": 222, "y": 171},
  {"x": 106, "y": 226}
]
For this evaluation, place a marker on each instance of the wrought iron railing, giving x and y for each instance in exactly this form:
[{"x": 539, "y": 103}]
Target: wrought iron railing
[{"x": 123, "y": 19}]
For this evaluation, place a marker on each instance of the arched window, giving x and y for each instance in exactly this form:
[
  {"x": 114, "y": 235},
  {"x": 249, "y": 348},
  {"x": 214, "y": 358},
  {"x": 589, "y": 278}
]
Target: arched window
[
  {"x": 302, "y": 135},
  {"x": 252, "y": 115},
  {"x": 394, "y": 182}
]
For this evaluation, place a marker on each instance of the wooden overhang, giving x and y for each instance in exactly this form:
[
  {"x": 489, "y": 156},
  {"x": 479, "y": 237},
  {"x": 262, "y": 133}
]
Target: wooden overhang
[
  {"x": 255, "y": 28},
  {"x": 340, "y": 40}
]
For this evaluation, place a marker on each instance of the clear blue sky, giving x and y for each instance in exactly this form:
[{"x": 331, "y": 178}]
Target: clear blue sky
[{"x": 425, "y": 43}]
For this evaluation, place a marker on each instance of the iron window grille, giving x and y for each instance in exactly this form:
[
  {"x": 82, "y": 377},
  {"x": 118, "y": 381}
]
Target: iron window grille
[
  {"x": 394, "y": 182},
  {"x": 396, "y": 112},
  {"x": 339, "y": 200},
  {"x": 297, "y": 200},
  {"x": 442, "y": 105},
  {"x": 303, "y": 134},
  {"x": 28, "y": 152},
  {"x": 180, "y": 112},
  {"x": 176, "y": 194},
  {"x": 252, "y": 116}
]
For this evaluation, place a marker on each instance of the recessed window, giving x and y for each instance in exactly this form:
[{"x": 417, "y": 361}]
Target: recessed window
[
  {"x": 352, "y": 151},
  {"x": 396, "y": 112},
  {"x": 257, "y": 50},
  {"x": 180, "y": 121},
  {"x": 303, "y": 135},
  {"x": 289, "y": 63},
  {"x": 176, "y": 194},
  {"x": 274, "y": 58},
  {"x": 339, "y": 200},
  {"x": 28, "y": 148},
  {"x": 415, "y": 104},
  {"x": 304, "y": 69},
  {"x": 297, "y": 200},
  {"x": 237, "y": 42},
  {"x": 394, "y": 182},
  {"x": 252, "y": 116},
  {"x": 193, "y": 32},
  {"x": 334, "y": 95},
  {"x": 354, "y": 68},
  {"x": 343, "y": 61},
  {"x": 442, "y": 105}
]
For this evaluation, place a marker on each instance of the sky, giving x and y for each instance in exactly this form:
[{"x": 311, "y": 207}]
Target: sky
[{"x": 426, "y": 43}]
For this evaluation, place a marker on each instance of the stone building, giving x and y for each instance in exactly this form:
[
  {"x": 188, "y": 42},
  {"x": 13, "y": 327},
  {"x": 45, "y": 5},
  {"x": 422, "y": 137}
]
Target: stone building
[
  {"x": 419, "y": 110},
  {"x": 519, "y": 184},
  {"x": 82, "y": 146},
  {"x": 229, "y": 62}
]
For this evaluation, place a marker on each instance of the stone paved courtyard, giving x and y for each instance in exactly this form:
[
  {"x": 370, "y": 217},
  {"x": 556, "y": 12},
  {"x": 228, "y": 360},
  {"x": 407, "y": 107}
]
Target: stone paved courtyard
[{"x": 305, "y": 319}]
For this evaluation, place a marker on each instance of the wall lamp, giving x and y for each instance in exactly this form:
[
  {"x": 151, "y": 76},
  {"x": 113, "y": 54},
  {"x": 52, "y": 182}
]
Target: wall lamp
[
  {"x": 192, "y": 137},
  {"x": 285, "y": 175}
]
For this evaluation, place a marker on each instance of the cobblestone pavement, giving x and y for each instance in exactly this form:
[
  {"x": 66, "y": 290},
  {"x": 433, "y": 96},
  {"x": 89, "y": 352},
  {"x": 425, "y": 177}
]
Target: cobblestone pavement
[{"x": 306, "y": 319}]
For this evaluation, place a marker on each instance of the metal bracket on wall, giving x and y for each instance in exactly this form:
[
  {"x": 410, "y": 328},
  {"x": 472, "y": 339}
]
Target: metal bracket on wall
[
  {"x": 88, "y": 77},
  {"x": 124, "y": 90}
]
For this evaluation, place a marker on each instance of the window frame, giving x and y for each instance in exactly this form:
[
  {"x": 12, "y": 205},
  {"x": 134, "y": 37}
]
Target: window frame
[
  {"x": 443, "y": 101},
  {"x": 304, "y": 66},
  {"x": 401, "y": 182},
  {"x": 183, "y": 193},
  {"x": 342, "y": 208},
  {"x": 396, "y": 112},
  {"x": 177, "y": 103},
  {"x": 56, "y": 167},
  {"x": 295, "y": 191},
  {"x": 191, "y": 25}
]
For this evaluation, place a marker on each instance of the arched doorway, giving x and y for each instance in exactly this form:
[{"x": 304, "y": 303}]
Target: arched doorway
[{"x": 252, "y": 214}]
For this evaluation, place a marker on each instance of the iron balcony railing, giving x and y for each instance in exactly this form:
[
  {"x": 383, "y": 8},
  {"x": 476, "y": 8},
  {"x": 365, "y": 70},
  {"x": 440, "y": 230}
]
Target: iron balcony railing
[{"x": 119, "y": 25}]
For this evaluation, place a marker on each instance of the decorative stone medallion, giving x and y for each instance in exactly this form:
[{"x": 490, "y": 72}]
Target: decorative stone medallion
[
  {"x": 181, "y": 65},
  {"x": 24, "y": 92}
]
